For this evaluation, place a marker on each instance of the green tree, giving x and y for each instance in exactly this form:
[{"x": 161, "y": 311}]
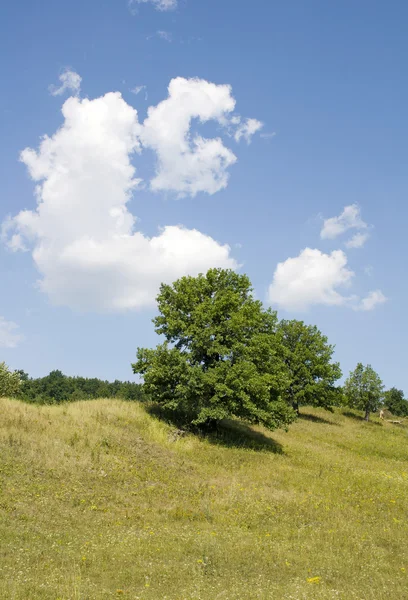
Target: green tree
[
  {"x": 221, "y": 356},
  {"x": 395, "y": 402},
  {"x": 364, "y": 390},
  {"x": 307, "y": 356},
  {"x": 9, "y": 381}
]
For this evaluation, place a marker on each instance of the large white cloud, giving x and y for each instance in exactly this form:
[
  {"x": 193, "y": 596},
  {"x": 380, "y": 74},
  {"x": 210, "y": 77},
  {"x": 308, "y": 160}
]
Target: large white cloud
[
  {"x": 9, "y": 336},
  {"x": 314, "y": 278},
  {"x": 82, "y": 235},
  {"x": 188, "y": 164},
  {"x": 350, "y": 218}
]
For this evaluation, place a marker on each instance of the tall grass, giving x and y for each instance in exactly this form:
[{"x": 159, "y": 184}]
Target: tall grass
[{"x": 101, "y": 500}]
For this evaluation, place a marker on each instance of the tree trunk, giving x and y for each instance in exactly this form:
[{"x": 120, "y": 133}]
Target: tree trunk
[
  {"x": 295, "y": 406},
  {"x": 367, "y": 414}
]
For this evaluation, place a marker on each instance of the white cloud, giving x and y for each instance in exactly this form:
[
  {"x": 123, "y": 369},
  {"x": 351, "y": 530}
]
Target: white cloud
[
  {"x": 311, "y": 278},
  {"x": 350, "y": 218},
  {"x": 9, "y": 338},
  {"x": 372, "y": 300},
  {"x": 357, "y": 241},
  {"x": 164, "y": 35},
  {"x": 70, "y": 81},
  {"x": 137, "y": 89},
  {"x": 247, "y": 129},
  {"x": 268, "y": 136},
  {"x": 82, "y": 235},
  {"x": 159, "y": 4},
  {"x": 187, "y": 163}
]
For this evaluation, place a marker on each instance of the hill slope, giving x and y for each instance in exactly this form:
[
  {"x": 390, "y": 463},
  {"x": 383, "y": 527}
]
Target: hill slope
[{"x": 100, "y": 500}]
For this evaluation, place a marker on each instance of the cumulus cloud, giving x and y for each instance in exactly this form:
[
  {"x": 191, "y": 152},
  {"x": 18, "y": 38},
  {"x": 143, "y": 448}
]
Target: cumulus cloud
[
  {"x": 310, "y": 278},
  {"x": 82, "y": 236},
  {"x": 247, "y": 129},
  {"x": 314, "y": 278},
  {"x": 187, "y": 163},
  {"x": 350, "y": 218},
  {"x": 372, "y": 300},
  {"x": 9, "y": 336},
  {"x": 70, "y": 82},
  {"x": 158, "y": 4}
]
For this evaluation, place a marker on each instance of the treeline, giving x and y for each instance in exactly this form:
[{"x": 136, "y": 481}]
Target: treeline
[{"x": 56, "y": 388}]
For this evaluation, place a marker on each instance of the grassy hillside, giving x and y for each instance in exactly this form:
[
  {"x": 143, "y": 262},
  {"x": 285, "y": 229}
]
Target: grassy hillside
[{"x": 99, "y": 500}]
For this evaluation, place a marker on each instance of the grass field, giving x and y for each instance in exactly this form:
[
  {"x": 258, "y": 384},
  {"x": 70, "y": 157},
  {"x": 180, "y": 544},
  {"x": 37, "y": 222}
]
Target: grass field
[{"x": 100, "y": 500}]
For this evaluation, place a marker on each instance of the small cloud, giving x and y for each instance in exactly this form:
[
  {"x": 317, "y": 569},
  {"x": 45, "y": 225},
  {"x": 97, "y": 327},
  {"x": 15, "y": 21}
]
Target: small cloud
[
  {"x": 309, "y": 279},
  {"x": 137, "y": 89},
  {"x": 162, "y": 5},
  {"x": 246, "y": 129},
  {"x": 372, "y": 300},
  {"x": 9, "y": 338},
  {"x": 350, "y": 218},
  {"x": 268, "y": 136},
  {"x": 357, "y": 241},
  {"x": 70, "y": 81},
  {"x": 164, "y": 35},
  {"x": 314, "y": 278},
  {"x": 369, "y": 270}
]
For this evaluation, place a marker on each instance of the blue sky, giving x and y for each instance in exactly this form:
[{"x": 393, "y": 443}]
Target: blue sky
[{"x": 328, "y": 83}]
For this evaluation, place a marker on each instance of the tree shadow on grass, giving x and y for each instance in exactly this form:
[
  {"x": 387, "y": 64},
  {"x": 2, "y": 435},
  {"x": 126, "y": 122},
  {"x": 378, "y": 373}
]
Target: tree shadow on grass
[
  {"x": 316, "y": 419},
  {"x": 360, "y": 418},
  {"x": 236, "y": 434},
  {"x": 227, "y": 433}
]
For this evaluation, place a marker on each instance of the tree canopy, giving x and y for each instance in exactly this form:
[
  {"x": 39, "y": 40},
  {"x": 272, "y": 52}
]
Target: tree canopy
[
  {"x": 308, "y": 358},
  {"x": 9, "y": 381},
  {"x": 221, "y": 356},
  {"x": 395, "y": 402},
  {"x": 364, "y": 389}
]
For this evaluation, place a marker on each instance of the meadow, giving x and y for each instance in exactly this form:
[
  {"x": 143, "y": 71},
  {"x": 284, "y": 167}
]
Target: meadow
[{"x": 100, "y": 500}]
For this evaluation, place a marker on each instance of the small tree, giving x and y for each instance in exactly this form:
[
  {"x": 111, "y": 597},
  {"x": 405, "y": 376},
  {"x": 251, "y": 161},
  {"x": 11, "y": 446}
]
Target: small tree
[
  {"x": 395, "y": 402},
  {"x": 364, "y": 390},
  {"x": 307, "y": 356},
  {"x": 9, "y": 381},
  {"x": 221, "y": 356}
]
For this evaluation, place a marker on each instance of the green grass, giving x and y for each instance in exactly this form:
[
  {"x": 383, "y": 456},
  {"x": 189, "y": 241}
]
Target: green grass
[{"x": 98, "y": 500}]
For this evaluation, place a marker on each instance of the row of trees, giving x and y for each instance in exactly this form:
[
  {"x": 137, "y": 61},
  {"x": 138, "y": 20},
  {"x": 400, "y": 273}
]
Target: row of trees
[
  {"x": 57, "y": 387},
  {"x": 225, "y": 355}
]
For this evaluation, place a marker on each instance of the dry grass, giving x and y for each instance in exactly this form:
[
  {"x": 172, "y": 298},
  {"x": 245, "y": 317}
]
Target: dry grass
[{"x": 97, "y": 501}]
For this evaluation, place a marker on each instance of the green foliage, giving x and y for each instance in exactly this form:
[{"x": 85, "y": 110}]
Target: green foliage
[
  {"x": 364, "y": 389},
  {"x": 57, "y": 387},
  {"x": 307, "y": 356},
  {"x": 221, "y": 357},
  {"x": 395, "y": 402},
  {"x": 9, "y": 382}
]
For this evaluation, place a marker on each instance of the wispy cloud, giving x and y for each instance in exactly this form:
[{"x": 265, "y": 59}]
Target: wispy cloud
[
  {"x": 9, "y": 336},
  {"x": 70, "y": 81},
  {"x": 350, "y": 218},
  {"x": 162, "y": 5},
  {"x": 268, "y": 136},
  {"x": 164, "y": 35}
]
